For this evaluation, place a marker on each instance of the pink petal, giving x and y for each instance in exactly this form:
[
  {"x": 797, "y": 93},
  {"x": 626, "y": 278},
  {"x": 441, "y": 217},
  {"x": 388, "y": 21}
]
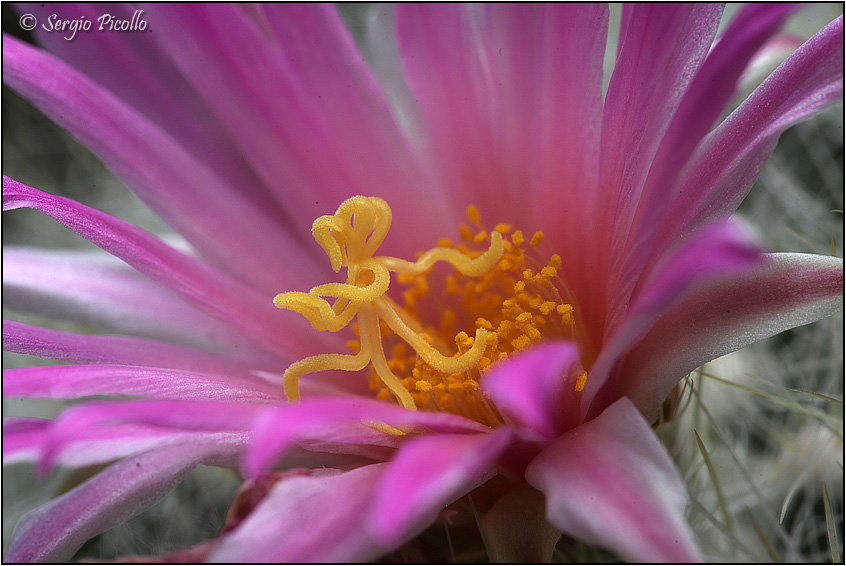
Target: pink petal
[
  {"x": 329, "y": 67},
  {"x": 610, "y": 482},
  {"x": 149, "y": 83},
  {"x": 89, "y": 348},
  {"x": 100, "y": 291},
  {"x": 787, "y": 291},
  {"x": 429, "y": 473},
  {"x": 314, "y": 103},
  {"x": 342, "y": 421},
  {"x": 73, "y": 381},
  {"x": 660, "y": 48},
  {"x": 724, "y": 167},
  {"x": 702, "y": 104},
  {"x": 86, "y": 421},
  {"x": 24, "y": 440},
  {"x": 718, "y": 251},
  {"x": 529, "y": 79},
  {"x": 228, "y": 229},
  {"x": 536, "y": 389},
  {"x": 55, "y": 531},
  {"x": 315, "y": 518},
  {"x": 21, "y": 438},
  {"x": 218, "y": 294}
]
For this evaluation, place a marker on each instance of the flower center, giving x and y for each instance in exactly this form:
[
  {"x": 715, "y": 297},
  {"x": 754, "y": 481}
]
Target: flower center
[{"x": 506, "y": 295}]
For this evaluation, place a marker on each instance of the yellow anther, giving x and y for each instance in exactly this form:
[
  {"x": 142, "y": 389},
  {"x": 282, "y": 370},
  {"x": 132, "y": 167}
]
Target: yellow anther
[
  {"x": 549, "y": 272},
  {"x": 481, "y": 236},
  {"x": 527, "y": 274},
  {"x": 524, "y": 317},
  {"x": 520, "y": 342},
  {"x": 532, "y": 332},
  {"x": 519, "y": 287},
  {"x": 546, "y": 307},
  {"x": 517, "y": 237},
  {"x": 473, "y": 214},
  {"x": 564, "y": 309},
  {"x": 580, "y": 382},
  {"x": 555, "y": 261},
  {"x": 445, "y": 243},
  {"x": 503, "y": 228},
  {"x": 536, "y": 239},
  {"x": 423, "y": 386}
]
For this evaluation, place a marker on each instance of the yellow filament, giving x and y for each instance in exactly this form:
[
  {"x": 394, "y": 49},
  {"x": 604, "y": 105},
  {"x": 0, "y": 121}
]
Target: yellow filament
[{"x": 350, "y": 237}]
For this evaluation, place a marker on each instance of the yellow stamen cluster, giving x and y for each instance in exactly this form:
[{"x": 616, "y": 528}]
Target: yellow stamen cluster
[
  {"x": 516, "y": 302},
  {"x": 502, "y": 293}
]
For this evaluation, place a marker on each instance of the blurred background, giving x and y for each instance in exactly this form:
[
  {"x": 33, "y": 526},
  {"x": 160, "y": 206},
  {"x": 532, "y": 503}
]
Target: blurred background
[{"x": 773, "y": 452}]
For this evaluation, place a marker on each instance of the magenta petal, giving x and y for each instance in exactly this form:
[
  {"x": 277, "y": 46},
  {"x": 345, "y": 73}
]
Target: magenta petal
[
  {"x": 55, "y": 531},
  {"x": 610, "y": 482},
  {"x": 429, "y": 473},
  {"x": 342, "y": 421},
  {"x": 214, "y": 291},
  {"x": 228, "y": 229},
  {"x": 536, "y": 389},
  {"x": 21, "y": 438},
  {"x": 315, "y": 518},
  {"x": 787, "y": 291}
]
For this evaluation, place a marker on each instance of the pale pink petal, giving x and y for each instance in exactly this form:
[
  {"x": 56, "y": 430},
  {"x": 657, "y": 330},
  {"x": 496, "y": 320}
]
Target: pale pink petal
[
  {"x": 787, "y": 291},
  {"x": 24, "y": 440},
  {"x": 99, "y": 291},
  {"x": 314, "y": 518},
  {"x": 716, "y": 252},
  {"x": 343, "y": 421},
  {"x": 429, "y": 473},
  {"x": 215, "y": 292},
  {"x": 74, "y": 381},
  {"x": 702, "y": 104},
  {"x": 148, "y": 82},
  {"x": 90, "y": 348},
  {"x": 610, "y": 482},
  {"x": 536, "y": 389},
  {"x": 55, "y": 531},
  {"x": 227, "y": 229},
  {"x": 86, "y": 421},
  {"x": 726, "y": 165}
]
